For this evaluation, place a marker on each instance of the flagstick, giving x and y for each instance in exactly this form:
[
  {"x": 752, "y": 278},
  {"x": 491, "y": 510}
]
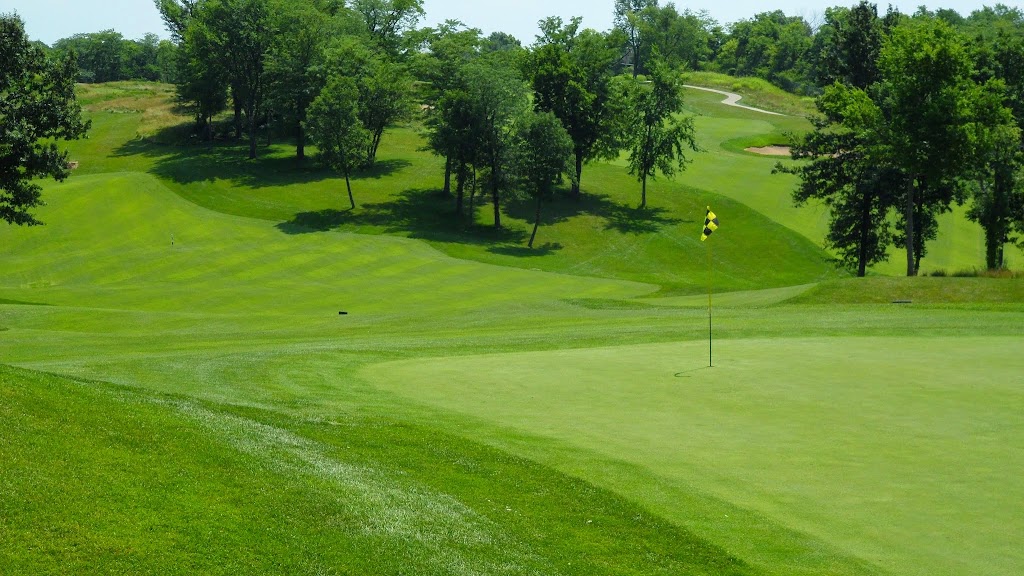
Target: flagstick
[{"x": 709, "y": 305}]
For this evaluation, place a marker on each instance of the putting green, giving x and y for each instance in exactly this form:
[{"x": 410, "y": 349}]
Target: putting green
[{"x": 897, "y": 451}]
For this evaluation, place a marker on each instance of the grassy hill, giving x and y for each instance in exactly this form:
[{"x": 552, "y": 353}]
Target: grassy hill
[{"x": 182, "y": 393}]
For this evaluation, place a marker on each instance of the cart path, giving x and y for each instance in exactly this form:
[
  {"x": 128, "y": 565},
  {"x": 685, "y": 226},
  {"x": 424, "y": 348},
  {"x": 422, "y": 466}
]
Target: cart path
[{"x": 732, "y": 99}]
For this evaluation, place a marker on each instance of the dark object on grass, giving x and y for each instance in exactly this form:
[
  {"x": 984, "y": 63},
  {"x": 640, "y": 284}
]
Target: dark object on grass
[
  {"x": 342, "y": 313},
  {"x": 901, "y": 302}
]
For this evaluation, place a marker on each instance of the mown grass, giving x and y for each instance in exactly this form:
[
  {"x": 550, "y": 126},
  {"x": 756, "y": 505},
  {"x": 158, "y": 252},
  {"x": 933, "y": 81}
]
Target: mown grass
[
  {"x": 213, "y": 490},
  {"x": 932, "y": 290},
  {"x": 479, "y": 403}
]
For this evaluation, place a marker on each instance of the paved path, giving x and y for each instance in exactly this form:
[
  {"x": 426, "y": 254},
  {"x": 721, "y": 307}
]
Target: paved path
[{"x": 732, "y": 99}]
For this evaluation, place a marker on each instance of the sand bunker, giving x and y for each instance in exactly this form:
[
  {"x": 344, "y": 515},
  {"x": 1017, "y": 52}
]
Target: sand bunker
[{"x": 770, "y": 150}]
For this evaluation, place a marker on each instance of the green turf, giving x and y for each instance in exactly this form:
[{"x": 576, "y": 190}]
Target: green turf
[
  {"x": 99, "y": 479},
  {"x": 225, "y": 415}
]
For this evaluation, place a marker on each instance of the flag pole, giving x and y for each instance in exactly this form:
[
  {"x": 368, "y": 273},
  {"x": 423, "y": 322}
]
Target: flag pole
[{"x": 709, "y": 305}]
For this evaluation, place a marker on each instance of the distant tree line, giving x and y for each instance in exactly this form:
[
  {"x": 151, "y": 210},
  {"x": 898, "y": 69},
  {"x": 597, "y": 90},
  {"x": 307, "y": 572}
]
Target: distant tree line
[{"x": 108, "y": 57}]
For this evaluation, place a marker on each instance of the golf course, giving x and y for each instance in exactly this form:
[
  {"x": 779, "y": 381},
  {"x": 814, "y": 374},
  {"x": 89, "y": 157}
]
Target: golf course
[{"x": 212, "y": 365}]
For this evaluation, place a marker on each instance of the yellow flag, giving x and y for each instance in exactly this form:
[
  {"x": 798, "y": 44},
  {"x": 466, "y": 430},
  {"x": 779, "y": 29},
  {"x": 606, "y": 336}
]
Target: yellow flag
[{"x": 710, "y": 224}]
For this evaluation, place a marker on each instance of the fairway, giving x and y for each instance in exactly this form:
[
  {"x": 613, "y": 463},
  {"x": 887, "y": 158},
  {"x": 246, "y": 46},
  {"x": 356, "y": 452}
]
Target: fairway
[{"x": 204, "y": 353}]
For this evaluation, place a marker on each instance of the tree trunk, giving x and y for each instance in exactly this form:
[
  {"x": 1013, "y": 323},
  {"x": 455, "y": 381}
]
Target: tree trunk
[
  {"x": 460, "y": 191},
  {"x": 472, "y": 198},
  {"x": 348, "y": 184},
  {"x": 643, "y": 192},
  {"x": 374, "y": 144},
  {"x": 300, "y": 134},
  {"x": 908, "y": 215},
  {"x": 495, "y": 199},
  {"x": 252, "y": 134},
  {"x": 238, "y": 114},
  {"x": 992, "y": 247},
  {"x": 865, "y": 224},
  {"x": 579, "y": 174},
  {"x": 447, "y": 175},
  {"x": 536, "y": 223}
]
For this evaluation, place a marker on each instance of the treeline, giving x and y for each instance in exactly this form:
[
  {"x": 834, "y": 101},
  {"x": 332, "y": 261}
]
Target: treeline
[
  {"x": 108, "y": 57},
  {"x": 922, "y": 112}
]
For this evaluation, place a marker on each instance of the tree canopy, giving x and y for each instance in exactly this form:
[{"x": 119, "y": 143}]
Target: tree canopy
[{"x": 37, "y": 108}]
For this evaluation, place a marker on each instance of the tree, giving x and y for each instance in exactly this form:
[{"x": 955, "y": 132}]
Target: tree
[
  {"x": 202, "y": 78},
  {"x": 544, "y": 154},
  {"x": 627, "y": 18},
  {"x": 177, "y": 15},
  {"x": 497, "y": 97},
  {"x": 37, "y": 107},
  {"x": 847, "y": 46},
  {"x": 386, "y": 98},
  {"x": 840, "y": 167},
  {"x": 572, "y": 75},
  {"x": 998, "y": 195},
  {"x": 442, "y": 68},
  {"x": 772, "y": 46},
  {"x": 679, "y": 39},
  {"x": 333, "y": 125},
  {"x": 657, "y": 135},
  {"x": 387, "y": 21},
  {"x": 241, "y": 36},
  {"x": 296, "y": 64},
  {"x": 102, "y": 56},
  {"x": 501, "y": 42},
  {"x": 924, "y": 94},
  {"x": 385, "y": 89}
]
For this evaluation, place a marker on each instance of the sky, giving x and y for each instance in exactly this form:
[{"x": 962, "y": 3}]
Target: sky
[{"x": 51, "y": 20}]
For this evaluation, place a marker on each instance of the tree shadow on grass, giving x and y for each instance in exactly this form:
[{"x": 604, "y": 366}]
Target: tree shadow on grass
[
  {"x": 427, "y": 213},
  {"x": 423, "y": 213},
  {"x": 525, "y": 251},
  {"x": 625, "y": 219},
  {"x": 202, "y": 162}
]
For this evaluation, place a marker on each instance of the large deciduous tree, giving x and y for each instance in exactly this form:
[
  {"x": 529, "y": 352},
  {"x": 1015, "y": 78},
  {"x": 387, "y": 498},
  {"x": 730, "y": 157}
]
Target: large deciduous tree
[
  {"x": 385, "y": 89},
  {"x": 657, "y": 135},
  {"x": 680, "y": 39},
  {"x": 202, "y": 79},
  {"x": 847, "y": 46},
  {"x": 37, "y": 107},
  {"x": 497, "y": 96},
  {"x": 450, "y": 48},
  {"x": 296, "y": 64},
  {"x": 627, "y": 19},
  {"x": 239, "y": 34},
  {"x": 387, "y": 21},
  {"x": 333, "y": 125},
  {"x": 926, "y": 94},
  {"x": 572, "y": 74},
  {"x": 544, "y": 155},
  {"x": 840, "y": 167}
]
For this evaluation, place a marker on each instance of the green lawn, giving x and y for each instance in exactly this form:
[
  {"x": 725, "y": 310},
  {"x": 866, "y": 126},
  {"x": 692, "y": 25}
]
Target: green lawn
[{"x": 181, "y": 394}]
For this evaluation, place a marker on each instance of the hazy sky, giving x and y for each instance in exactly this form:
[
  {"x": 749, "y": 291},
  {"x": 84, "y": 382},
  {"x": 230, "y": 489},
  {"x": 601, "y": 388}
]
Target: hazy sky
[{"x": 50, "y": 20}]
